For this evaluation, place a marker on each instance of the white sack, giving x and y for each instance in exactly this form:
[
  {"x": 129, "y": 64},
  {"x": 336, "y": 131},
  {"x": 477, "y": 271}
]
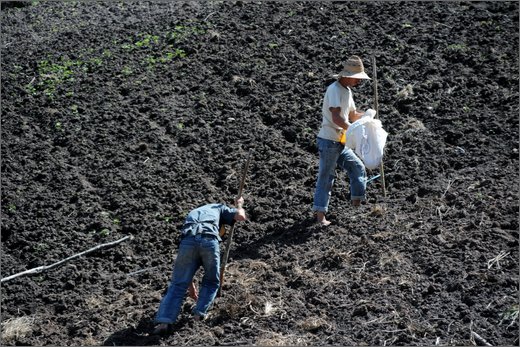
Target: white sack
[{"x": 367, "y": 138}]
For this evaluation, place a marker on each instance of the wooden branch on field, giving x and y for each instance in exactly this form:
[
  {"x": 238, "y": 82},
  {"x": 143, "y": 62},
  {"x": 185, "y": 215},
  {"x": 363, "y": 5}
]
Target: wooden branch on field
[{"x": 41, "y": 269}]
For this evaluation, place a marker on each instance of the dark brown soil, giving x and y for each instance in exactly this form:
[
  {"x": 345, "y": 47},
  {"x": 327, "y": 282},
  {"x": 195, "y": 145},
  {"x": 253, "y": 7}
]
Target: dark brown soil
[{"x": 120, "y": 117}]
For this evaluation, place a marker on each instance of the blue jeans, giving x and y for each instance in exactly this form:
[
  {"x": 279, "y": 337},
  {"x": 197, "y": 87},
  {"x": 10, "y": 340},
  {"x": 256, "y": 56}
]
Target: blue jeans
[
  {"x": 194, "y": 251},
  {"x": 334, "y": 154}
]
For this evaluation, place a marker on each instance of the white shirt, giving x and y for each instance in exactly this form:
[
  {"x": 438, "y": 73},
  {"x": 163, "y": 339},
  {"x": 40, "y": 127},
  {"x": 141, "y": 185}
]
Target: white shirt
[{"x": 335, "y": 96}]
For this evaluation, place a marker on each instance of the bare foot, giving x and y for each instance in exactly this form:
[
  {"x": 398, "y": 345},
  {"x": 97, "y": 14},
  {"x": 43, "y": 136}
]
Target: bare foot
[{"x": 322, "y": 220}]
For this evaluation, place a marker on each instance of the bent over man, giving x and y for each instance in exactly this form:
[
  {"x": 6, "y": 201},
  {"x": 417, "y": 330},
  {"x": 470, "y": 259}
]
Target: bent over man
[{"x": 199, "y": 246}]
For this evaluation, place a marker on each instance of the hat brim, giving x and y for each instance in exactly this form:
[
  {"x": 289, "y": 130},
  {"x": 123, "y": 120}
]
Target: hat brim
[{"x": 359, "y": 75}]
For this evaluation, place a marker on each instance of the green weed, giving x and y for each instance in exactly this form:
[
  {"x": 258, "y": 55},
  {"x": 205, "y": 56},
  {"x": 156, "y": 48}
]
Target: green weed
[
  {"x": 41, "y": 247},
  {"x": 104, "y": 232},
  {"x": 457, "y": 47},
  {"x": 510, "y": 315},
  {"x": 126, "y": 71},
  {"x": 96, "y": 61},
  {"x": 182, "y": 31},
  {"x": 147, "y": 41},
  {"x": 51, "y": 75}
]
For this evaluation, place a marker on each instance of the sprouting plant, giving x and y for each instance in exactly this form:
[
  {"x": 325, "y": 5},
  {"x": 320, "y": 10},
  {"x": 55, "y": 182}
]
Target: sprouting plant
[
  {"x": 150, "y": 62},
  {"x": 147, "y": 40},
  {"x": 31, "y": 89},
  {"x": 53, "y": 74},
  {"x": 461, "y": 47},
  {"x": 126, "y": 71},
  {"x": 466, "y": 109},
  {"x": 180, "y": 126},
  {"x": 11, "y": 207},
  {"x": 177, "y": 53},
  {"x": 41, "y": 247},
  {"x": 167, "y": 219},
  {"x": 104, "y": 232},
  {"x": 407, "y": 25},
  {"x": 116, "y": 221},
  {"x": 273, "y": 45},
  {"x": 96, "y": 61},
  {"x": 510, "y": 315},
  {"x": 58, "y": 126},
  {"x": 106, "y": 53},
  {"x": 74, "y": 109},
  {"x": 69, "y": 94}
]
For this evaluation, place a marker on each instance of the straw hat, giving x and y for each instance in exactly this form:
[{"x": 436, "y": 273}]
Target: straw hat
[{"x": 353, "y": 69}]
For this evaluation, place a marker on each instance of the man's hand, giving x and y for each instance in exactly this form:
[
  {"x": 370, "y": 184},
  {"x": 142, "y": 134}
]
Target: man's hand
[
  {"x": 192, "y": 291},
  {"x": 241, "y": 213},
  {"x": 355, "y": 115}
]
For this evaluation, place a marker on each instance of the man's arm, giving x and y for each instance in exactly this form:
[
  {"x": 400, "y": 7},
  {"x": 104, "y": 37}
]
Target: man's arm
[
  {"x": 336, "y": 118},
  {"x": 353, "y": 116}
]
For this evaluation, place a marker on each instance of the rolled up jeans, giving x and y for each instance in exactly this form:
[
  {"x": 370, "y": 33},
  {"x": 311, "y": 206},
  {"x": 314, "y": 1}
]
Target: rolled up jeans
[
  {"x": 334, "y": 154},
  {"x": 194, "y": 251}
]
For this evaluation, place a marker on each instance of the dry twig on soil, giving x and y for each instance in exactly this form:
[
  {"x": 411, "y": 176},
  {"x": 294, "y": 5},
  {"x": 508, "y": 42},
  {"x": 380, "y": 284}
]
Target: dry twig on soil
[
  {"x": 497, "y": 259},
  {"x": 41, "y": 269}
]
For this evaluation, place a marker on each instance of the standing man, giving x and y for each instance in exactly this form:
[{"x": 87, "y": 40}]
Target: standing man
[
  {"x": 339, "y": 110},
  {"x": 199, "y": 246}
]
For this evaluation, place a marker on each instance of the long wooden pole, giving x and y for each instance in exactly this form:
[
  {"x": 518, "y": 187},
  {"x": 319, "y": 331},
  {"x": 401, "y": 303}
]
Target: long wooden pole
[
  {"x": 230, "y": 236},
  {"x": 376, "y": 107}
]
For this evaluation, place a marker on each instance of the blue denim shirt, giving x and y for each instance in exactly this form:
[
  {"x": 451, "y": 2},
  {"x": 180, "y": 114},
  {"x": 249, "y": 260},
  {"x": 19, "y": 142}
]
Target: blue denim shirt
[{"x": 208, "y": 219}]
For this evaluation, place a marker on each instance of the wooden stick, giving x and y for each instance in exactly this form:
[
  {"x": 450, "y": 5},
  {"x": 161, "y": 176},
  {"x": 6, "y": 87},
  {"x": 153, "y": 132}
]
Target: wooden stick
[
  {"x": 40, "y": 269},
  {"x": 376, "y": 107},
  {"x": 230, "y": 236}
]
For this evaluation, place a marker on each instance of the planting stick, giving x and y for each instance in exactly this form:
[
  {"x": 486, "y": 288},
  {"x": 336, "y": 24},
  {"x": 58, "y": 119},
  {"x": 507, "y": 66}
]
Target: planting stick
[
  {"x": 376, "y": 107},
  {"x": 40, "y": 269},
  {"x": 230, "y": 236}
]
